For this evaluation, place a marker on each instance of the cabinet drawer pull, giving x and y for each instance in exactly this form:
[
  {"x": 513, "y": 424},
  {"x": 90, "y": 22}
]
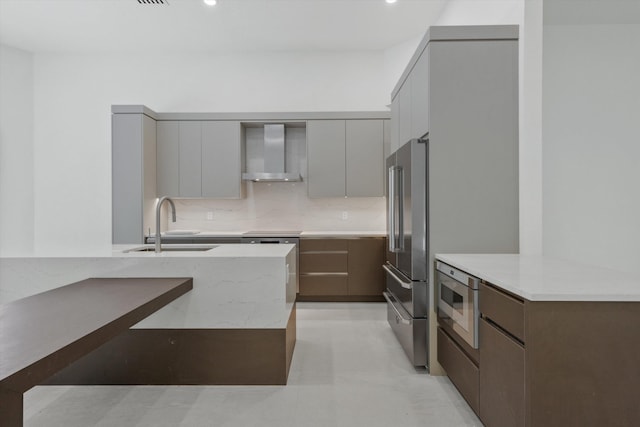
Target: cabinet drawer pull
[
  {"x": 324, "y": 274},
  {"x": 324, "y": 252}
]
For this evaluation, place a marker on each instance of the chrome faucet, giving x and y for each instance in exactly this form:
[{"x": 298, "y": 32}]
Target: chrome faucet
[{"x": 173, "y": 217}]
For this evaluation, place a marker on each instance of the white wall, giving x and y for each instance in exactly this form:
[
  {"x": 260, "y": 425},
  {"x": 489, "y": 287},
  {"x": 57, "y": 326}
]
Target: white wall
[
  {"x": 591, "y": 157},
  {"x": 482, "y": 12},
  {"x": 16, "y": 152},
  {"x": 72, "y": 117},
  {"x": 396, "y": 59},
  {"x": 530, "y": 117}
]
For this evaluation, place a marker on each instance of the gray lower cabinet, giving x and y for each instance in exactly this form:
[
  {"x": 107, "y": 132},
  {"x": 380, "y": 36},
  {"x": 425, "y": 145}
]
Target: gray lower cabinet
[
  {"x": 345, "y": 158},
  {"x": 199, "y": 159},
  {"x": 133, "y": 147}
]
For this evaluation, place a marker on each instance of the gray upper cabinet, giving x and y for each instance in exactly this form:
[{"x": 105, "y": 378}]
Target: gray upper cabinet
[
  {"x": 404, "y": 113},
  {"x": 420, "y": 96},
  {"x": 387, "y": 128},
  {"x": 199, "y": 159},
  {"x": 394, "y": 128},
  {"x": 410, "y": 106},
  {"x": 364, "y": 158},
  {"x": 326, "y": 158},
  {"x": 221, "y": 159},
  {"x": 190, "y": 166},
  {"x": 167, "y": 175},
  {"x": 203, "y": 155},
  {"x": 345, "y": 158},
  {"x": 133, "y": 144}
]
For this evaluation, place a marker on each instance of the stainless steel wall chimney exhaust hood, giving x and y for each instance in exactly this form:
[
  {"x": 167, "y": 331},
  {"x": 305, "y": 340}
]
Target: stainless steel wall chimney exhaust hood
[{"x": 274, "y": 158}]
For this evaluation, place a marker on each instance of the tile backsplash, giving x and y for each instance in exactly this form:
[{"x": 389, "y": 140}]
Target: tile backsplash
[{"x": 281, "y": 206}]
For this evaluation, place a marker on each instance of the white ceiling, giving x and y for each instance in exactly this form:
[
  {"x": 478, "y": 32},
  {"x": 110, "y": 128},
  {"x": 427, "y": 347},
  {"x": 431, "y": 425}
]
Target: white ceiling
[{"x": 231, "y": 26}]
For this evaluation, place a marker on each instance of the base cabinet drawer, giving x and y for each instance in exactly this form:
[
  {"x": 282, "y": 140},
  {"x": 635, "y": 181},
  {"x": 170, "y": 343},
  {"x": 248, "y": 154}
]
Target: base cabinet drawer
[
  {"x": 323, "y": 245},
  {"x": 323, "y": 262},
  {"x": 462, "y": 372},
  {"x": 333, "y": 269},
  {"x": 323, "y": 285},
  {"x": 501, "y": 378},
  {"x": 503, "y": 309}
]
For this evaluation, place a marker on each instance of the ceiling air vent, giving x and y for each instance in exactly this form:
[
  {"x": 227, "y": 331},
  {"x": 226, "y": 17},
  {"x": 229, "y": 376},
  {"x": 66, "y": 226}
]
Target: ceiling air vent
[{"x": 158, "y": 2}]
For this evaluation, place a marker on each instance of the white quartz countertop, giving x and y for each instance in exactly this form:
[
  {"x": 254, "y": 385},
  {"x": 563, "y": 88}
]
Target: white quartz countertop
[
  {"x": 343, "y": 234},
  {"x": 234, "y": 285},
  {"x": 224, "y": 250},
  {"x": 308, "y": 233},
  {"x": 538, "y": 278}
]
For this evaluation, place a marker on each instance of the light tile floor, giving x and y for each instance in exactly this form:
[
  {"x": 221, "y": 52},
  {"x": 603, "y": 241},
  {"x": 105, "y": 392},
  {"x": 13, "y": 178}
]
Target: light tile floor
[{"x": 347, "y": 370}]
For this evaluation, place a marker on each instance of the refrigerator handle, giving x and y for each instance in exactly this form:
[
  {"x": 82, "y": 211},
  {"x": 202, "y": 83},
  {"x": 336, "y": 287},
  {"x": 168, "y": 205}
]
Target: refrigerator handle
[
  {"x": 391, "y": 213},
  {"x": 399, "y": 317},
  {"x": 400, "y": 202},
  {"x": 407, "y": 284}
]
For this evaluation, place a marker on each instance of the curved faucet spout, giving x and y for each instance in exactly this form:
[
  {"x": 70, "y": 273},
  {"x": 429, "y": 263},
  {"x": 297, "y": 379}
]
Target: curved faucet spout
[{"x": 173, "y": 218}]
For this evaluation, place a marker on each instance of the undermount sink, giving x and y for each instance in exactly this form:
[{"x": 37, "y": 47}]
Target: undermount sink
[{"x": 172, "y": 248}]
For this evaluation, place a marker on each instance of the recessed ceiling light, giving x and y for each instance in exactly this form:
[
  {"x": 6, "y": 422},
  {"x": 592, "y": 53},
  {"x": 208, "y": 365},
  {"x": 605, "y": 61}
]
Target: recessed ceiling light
[
  {"x": 210, "y": 2},
  {"x": 390, "y": 1}
]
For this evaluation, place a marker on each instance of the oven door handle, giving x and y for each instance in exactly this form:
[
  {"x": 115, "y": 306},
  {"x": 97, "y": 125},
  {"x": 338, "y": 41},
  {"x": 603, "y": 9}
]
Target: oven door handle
[
  {"x": 405, "y": 284},
  {"x": 400, "y": 317}
]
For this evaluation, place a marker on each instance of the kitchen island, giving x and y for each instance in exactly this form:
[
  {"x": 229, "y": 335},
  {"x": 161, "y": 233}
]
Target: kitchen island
[
  {"x": 45, "y": 332},
  {"x": 237, "y": 325},
  {"x": 558, "y": 343}
]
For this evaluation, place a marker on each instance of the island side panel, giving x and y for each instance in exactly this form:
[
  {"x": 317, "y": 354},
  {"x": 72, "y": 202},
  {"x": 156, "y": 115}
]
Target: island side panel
[
  {"x": 582, "y": 363},
  {"x": 187, "y": 357}
]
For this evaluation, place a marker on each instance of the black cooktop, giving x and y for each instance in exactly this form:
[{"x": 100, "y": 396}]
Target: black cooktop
[{"x": 273, "y": 233}]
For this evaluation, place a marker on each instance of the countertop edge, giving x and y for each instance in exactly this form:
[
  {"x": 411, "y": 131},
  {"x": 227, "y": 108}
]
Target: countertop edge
[{"x": 628, "y": 284}]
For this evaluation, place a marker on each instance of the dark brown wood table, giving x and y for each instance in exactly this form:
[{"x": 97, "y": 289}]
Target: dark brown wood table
[{"x": 43, "y": 333}]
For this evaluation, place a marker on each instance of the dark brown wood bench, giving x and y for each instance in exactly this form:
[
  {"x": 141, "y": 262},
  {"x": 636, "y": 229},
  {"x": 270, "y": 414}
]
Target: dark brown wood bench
[{"x": 43, "y": 333}]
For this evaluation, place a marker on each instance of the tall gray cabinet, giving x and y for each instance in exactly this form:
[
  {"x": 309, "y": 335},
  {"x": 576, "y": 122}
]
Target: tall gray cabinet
[
  {"x": 460, "y": 91},
  {"x": 133, "y": 174}
]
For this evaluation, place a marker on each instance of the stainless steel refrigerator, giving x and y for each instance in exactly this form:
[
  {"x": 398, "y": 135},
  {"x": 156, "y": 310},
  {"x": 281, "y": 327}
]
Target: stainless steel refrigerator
[{"x": 406, "y": 267}]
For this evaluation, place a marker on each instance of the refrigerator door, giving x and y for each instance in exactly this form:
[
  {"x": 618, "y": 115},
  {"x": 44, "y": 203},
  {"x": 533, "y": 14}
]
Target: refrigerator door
[{"x": 411, "y": 179}]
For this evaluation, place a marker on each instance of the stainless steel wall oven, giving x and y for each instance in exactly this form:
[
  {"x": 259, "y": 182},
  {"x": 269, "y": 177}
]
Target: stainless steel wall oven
[{"x": 458, "y": 302}]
